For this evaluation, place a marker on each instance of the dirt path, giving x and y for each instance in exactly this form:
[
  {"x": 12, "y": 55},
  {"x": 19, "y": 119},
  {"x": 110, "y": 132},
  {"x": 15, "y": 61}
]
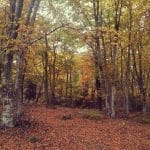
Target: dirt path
[{"x": 50, "y": 132}]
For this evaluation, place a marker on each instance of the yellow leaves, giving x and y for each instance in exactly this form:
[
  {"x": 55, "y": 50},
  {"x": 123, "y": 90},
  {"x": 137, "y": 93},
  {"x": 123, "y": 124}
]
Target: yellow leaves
[{"x": 89, "y": 36}]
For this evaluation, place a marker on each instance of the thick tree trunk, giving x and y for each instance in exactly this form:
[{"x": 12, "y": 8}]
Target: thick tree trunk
[
  {"x": 19, "y": 82},
  {"x": 97, "y": 53},
  {"x": 8, "y": 114}
]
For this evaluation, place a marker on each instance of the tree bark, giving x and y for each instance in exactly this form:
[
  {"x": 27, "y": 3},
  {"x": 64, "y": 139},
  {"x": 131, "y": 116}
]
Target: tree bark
[
  {"x": 21, "y": 53},
  {"x": 8, "y": 114},
  {"x": 19, "y": 81},
  {"x": 45, "y": 63}
]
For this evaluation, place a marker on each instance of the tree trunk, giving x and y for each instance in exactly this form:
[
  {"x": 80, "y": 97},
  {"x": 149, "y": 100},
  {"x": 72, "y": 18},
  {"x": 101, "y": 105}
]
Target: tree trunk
[
  {"x": 0, "y": 68},
  {"x": 52, "y": 92},
  {"x": 126, "y": 101},
  {"x": 113, "y": 93},
  {"x": 19, "y": 81},
  {"x": 21, "y": 53},
  {"x": 70, "y": 82},
  {"x": 67, "y": 80},
  {"x": 8, "y": 114},
  {"x": 45, "y": 63},
  {"x": 46, "y": 96},
  {"x": 40, "y": 89}
]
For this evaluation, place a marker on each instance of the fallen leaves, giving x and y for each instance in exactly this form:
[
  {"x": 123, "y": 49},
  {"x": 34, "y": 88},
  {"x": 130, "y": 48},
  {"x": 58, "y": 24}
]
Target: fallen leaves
[{"x": 50, "y": 132}]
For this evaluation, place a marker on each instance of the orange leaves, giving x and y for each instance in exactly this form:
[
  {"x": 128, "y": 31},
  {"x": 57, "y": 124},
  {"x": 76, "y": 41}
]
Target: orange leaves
[{"x": 49, "y": 131}]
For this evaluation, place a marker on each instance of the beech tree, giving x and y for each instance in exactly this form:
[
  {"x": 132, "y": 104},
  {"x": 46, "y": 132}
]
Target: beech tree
[{"x": 12, "y": 94}]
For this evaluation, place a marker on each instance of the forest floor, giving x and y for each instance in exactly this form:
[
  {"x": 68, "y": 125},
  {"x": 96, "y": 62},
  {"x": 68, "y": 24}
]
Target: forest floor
[{"x": 70, "y": 129}]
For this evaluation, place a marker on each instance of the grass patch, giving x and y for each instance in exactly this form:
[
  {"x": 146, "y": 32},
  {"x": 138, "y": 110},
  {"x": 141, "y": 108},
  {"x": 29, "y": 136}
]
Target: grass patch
[
  {"x": 145, "y": 119},
  {"x": 92, "y": 115}
]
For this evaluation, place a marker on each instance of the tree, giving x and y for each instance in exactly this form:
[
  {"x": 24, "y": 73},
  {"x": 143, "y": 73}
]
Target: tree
[{"x": 11, "y": 95}]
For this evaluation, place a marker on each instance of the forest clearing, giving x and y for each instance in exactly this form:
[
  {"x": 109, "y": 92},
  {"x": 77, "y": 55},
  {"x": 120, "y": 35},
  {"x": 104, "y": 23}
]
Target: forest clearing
[
  {"x": 74, "y": 75},
  {"x": 49, "y": 130}
]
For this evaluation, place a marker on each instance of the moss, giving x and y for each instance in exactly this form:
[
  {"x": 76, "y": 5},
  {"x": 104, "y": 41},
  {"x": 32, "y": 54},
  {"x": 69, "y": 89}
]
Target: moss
[
  {"x": 145, "y": 119},
  {"x": 92, "y": 115}
]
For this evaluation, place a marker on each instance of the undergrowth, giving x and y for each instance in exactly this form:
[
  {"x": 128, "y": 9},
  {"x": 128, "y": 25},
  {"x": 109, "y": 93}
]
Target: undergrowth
[{"x": 92, "y": 115}]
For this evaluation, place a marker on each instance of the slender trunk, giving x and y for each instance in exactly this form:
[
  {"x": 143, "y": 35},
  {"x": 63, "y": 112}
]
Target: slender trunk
[
  {"x": 70, "y": 80},
  {"x": 30, "y": 9},
  {"x": 128, "y": 62},
  {"x": 139, "y": 72},
  {"x": 126, "y": 101},
  {"x": 52, "y": 93},
  {"x": 37, "y": 4},
  {"x": 109, "y": 101},
  {"x": 39, "y": 92},
  {"x": 67, "y": 80},
  {"x": 45, "y": 62},
  {"x": 46, "y": 96},
  {"x": 113, "y": 93},
  {"x": 0, "y": 69}
]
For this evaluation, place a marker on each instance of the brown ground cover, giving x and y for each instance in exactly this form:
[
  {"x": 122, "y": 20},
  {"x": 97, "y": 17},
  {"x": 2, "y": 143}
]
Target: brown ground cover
[{"x": 49, "y": 130}]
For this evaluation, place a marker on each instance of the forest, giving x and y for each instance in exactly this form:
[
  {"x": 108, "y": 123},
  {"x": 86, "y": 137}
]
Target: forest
[{"x": 74, "y": 75}]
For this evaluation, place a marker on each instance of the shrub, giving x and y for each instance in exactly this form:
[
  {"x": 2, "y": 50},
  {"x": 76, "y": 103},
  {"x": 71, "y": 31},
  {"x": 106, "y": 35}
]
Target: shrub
[
  {"x": 67, "y": 117},
  {"x": 34, "y": 139},
  {"x": 77, "y": 102}
]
